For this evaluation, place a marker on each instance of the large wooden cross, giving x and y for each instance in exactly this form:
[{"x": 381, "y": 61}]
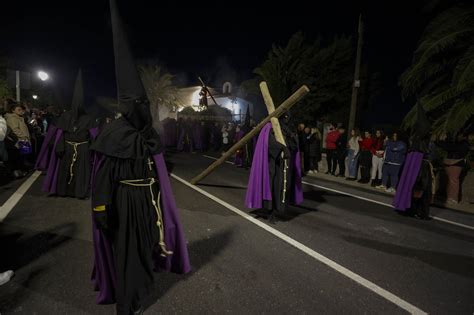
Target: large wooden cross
[
  {"x": 267, "y": 98},
  {"x": 273, "y": 113}
]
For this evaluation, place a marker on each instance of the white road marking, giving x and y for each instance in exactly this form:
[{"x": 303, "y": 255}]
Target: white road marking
[
  {"x": 385, "y": 204},
  {"x": 17, "y": 195},
  {"x": 452, "y": 222},
  {"x": 323, "y": 259},
  {"x": 348, "y": 194},
  {"x": 372, "y": 201}
]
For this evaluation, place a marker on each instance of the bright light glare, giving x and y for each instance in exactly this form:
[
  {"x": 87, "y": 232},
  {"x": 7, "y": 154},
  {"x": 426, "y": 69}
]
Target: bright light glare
[
  {"x": 43, "y": 75},
  {"x": 35, "y": 97}
]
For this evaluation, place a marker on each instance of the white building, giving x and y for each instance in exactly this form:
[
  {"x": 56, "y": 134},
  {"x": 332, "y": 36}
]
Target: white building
[{"x": 226, "y": 97}]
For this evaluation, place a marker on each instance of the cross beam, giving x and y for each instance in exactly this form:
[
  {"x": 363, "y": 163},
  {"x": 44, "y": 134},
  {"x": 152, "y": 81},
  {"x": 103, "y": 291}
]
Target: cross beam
[
  {"x": 267, "y": 98},
  {"x": 285, "y": 106}
]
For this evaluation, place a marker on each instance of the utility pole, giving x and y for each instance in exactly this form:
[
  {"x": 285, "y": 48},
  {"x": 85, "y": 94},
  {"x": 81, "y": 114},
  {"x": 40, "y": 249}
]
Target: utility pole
[
  {"x": 356, "y": 83},
  {"x": 17, "y": 85}
]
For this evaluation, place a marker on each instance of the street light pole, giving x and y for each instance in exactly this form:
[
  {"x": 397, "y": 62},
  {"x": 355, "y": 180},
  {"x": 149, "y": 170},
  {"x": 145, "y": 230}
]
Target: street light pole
[
  {"x": 356, "y": 84},
  {"x": 17, "y": 85}
]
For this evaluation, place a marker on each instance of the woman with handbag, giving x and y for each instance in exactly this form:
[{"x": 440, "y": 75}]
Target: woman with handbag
[{"x": 18, "y": 141}]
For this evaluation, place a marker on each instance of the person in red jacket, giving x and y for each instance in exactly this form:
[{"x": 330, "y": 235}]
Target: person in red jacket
[
  {"x": 377, "y": 151},
  {"x": 331, "y": 156},
  {"x": 365, "y": 158}
]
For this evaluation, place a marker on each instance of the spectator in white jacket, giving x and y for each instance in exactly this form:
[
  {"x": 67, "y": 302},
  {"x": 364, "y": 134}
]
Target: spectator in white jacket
[{"x": 3, "y": 134}]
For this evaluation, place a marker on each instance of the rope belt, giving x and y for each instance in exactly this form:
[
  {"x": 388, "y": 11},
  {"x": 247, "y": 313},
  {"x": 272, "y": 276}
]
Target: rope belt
[
  {"x": 284, "y": 178},
  {"x": 156, "y": 204},
  {"x": 74, "y": 158}
]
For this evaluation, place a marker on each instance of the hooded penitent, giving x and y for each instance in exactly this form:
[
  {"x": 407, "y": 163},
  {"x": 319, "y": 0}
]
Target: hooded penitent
[
  {"x": 274, "y": 181},
  {"x": 419, "y": 143},
  {"x": 420, "y": 133},
  {"x": 132, "y": 197},
  {"x": 69, "y": 161},
  {"x": 76, "y": 118}
]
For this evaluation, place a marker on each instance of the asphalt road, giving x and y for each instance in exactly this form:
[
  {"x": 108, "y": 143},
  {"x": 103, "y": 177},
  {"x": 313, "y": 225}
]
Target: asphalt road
[{"x": 238, "y": 266}]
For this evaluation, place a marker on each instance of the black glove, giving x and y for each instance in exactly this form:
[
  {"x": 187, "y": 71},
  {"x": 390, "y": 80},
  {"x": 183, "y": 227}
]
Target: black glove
[{"x": 101, "y": 220}]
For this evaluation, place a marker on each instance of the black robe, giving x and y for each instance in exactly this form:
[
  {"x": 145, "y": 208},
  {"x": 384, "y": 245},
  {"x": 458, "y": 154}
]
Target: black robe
[
  {"x": 423, "y": 191},
  {"x": 131, "y": 218},
  {"x": 75, "y": 162},
  {"x": 74, "y": 176},
  {"x": 281, "y": 171},
  {"x": 132, "y": 224}
]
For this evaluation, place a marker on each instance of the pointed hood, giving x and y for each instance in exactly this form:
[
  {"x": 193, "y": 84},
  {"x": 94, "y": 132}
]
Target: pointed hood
[
  {"x": 133, "y": 135},
  {"x": 133, "y": 103},
  {"x": 246, "y": 126},
  {"x": 77, "y": 105},
  {"x": 420, "y": 133},
  {"x": 76, "y": 119}
]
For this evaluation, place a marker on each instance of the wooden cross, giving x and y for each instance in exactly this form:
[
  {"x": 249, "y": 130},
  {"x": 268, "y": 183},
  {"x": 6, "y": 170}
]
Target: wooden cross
[
  {"x": 285, "y": 106},
  {"x": 267, "y": 98}
]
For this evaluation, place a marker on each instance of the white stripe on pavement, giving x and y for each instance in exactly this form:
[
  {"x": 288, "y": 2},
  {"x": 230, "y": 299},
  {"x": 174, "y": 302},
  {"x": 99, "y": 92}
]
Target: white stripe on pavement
[
  {"x": 17, "y": 195},
  {"x": 323, "y": 259},
  {"x": 348, "y": 194},
  {"x": 384, "y": 204},
  {"x": 452, "y": 222},
  {"x": 373, "y": 201}
]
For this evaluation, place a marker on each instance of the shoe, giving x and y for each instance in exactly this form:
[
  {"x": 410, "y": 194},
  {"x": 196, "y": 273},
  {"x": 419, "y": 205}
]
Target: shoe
[
  {"x": 272, "y": 218},
  {"x": 390, "y": 190},
  {"x": 373, "y": 183},
  {"x": 381, "y": 187},
  {"x": 327, "y": 173},
  {"x": 452, "y": 201},
  {"x": 18, "y": 174},
  {"x": 6, "y": 276},
  {"x": 340, "y": 175},
  {"x": 422, "y": 217},
  {"x": 138, "y": 311}
]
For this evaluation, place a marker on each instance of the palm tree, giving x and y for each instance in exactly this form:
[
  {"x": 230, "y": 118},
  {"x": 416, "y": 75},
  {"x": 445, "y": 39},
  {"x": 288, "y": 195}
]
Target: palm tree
[
  {"x": 441, "y": 77},
  {"x": 282, "y": 67},
  {"x": 326, "y": 70},
  {"x": 161, "y": 91}
]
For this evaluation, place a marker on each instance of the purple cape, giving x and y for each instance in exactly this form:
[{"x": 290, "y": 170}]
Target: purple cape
[
  {"x": 104, "y": 272},
  {"x": 259, "y": 187},
  {"x": 51, "y": 179},
  {"x": 44, "y": 154},
  {"x": 403, "y": 196}
]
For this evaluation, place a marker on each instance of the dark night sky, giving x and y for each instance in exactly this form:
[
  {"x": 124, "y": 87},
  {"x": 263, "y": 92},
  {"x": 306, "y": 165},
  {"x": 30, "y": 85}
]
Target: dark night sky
[{"x": 210, "y": 39}]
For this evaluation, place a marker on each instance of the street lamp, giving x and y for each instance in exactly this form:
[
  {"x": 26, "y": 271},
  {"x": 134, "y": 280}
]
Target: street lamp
[
  {"x": 43, "y": 75},
  {"x": 35, "y": 97}
]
